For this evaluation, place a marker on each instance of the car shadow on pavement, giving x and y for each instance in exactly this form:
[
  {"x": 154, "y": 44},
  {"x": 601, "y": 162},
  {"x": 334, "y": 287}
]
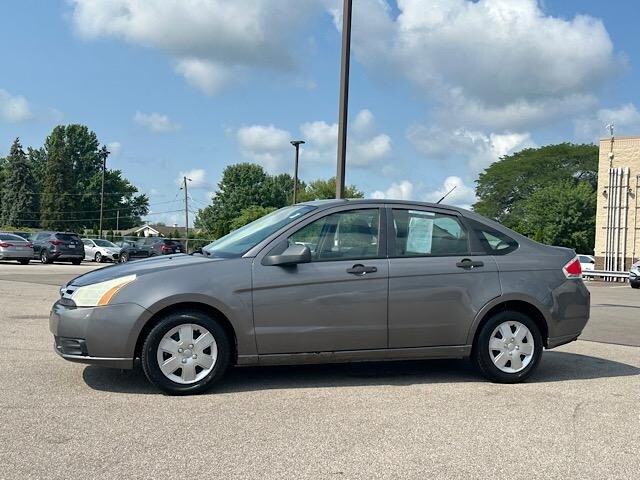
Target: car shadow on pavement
[{"x": 554, "y": 367}]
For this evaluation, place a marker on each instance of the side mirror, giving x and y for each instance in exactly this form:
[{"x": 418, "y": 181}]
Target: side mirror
[
  {"x": 592, "y": 261},
  {"x": 293, "y": 255}
]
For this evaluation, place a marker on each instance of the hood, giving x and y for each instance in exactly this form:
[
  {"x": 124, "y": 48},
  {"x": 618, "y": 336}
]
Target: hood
[{"x": 140, "y": 267}]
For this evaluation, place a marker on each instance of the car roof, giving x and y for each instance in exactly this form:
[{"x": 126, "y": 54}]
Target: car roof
[{"x": 377, "y": 201}]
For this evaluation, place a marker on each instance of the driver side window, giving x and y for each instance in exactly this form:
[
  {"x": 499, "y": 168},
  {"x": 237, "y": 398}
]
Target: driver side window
[{"x": 352, "y": 234}]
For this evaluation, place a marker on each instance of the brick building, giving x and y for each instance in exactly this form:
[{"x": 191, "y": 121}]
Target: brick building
[{"x": 617, "y": 223}]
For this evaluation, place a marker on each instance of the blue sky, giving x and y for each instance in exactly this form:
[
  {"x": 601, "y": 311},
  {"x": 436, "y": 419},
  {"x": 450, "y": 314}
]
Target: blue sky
[{"x": 439, "y": 89}]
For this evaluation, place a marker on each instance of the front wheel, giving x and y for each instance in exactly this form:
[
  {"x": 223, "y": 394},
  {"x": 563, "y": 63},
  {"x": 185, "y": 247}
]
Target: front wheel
[
  {"x": 185, "y": 353},
  {"x": 124, "y": 257},
  {"x": 98, "y": 257},
  {"x": 508, "y": 347},
  {"x": 634, "y": 284},
  {"x": 23, "y": 261}
]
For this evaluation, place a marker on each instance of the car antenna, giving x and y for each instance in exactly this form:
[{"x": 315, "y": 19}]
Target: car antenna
[{"x": 447, "y": 194}]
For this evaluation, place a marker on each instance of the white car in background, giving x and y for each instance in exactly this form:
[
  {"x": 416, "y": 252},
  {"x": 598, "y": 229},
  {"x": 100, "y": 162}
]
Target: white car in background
[
  {"x": 100, "y": 250},
  {"x": 587, "y": 262}
]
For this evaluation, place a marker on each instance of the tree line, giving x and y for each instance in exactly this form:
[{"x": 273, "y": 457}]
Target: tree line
[{"x": 58, "y": 185}]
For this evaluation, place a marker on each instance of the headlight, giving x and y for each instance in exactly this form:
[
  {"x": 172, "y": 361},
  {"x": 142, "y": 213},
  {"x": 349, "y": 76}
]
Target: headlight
[{"x": 100, "y": 293}]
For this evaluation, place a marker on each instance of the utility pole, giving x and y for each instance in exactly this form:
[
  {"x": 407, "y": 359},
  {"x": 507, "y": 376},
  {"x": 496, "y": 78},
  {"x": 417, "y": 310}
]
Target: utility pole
[
  {"x": 186, "y": 213},
  {"x": 344, "y": 97},
  {"x": 296, "y": 144},
  {"x": 118, "y": 221},
  {"x": 103, "y": 154}
]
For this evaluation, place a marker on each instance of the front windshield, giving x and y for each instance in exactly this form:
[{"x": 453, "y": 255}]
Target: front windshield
[
  {"x": 104, "y": 243},
  {"x": 240, "y": 241}
]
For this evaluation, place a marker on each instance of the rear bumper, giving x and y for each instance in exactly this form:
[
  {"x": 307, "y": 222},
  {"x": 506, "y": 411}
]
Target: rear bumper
[
  {"x": 16, "y": 255},
  {"x": 557, "y": 341}
]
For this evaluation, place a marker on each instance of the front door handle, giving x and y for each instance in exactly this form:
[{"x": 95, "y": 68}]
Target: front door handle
[
  {"x": 467, "y": 263},
  {"x": 359, "y": 269}
]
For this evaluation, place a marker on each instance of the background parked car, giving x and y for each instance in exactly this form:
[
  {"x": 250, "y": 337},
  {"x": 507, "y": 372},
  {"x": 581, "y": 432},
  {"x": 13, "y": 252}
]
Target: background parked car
[
  {"x": 53, "y": 246},
  {"x": 100, "y": 250},
  {"x": 14, "y": 247},
  {"x": 28, "y": 236},
  {"x": 634, "y": 275},
  {"x": 149, "y": 247},
  {"x": 587, "y": 262}
]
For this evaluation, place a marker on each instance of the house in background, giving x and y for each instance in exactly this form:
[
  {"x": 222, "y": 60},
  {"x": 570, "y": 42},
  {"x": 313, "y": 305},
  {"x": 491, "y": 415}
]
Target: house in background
[{"x": 149, "y": 230}]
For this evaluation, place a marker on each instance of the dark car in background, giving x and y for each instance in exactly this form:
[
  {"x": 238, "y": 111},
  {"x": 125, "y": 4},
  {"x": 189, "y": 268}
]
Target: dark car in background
[
  {"x": 15, "y": 247},
  {"x": 58, "y": 246},
  {"x": 149, "y": 247},
  {"x": 331, "y": 281}
]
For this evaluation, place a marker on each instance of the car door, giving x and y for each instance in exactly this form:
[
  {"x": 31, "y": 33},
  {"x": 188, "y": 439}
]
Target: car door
[
  {"x": 336, "y": 302},
  {"x": 438, "y": 277},
  {"x": 38, "y": 243},
  {"x": 89, "y": 249}
]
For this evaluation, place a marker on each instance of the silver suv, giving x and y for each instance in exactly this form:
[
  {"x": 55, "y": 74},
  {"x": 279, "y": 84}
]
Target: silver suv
[{"x": 330, "y": 281}]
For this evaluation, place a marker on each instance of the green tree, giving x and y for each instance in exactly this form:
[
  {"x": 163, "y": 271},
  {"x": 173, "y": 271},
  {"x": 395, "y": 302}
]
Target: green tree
[
  {"x": 242, "y": 186},
  {"x": 326, "y": 189},
  {"x": 19, "y": 204},
  {"x": 506, "y": 183},
  {"x": 3, "y": 163},
  {"x": 249, "y": 214},
  {"x": 562, "y": 214}
]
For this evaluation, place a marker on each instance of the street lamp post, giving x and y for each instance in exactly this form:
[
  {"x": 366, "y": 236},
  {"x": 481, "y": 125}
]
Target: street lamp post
[
  {"x": 344, "y": 97},
  {"x": 296, "y": 144},
  {"x": 103, "y": 154}
]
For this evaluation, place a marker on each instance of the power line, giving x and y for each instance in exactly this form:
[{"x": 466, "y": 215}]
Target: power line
[{"x": 123, "y": 207}]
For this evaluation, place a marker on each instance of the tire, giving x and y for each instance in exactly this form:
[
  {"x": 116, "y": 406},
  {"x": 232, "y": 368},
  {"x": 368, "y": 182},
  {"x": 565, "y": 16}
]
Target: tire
[
  {"x": 177, "y": 331},
  {"x": 499, "y": 365},
  {"x": 44, "y": 257},
  {"x": 77, "y": 261},
  {"x": 98, "y": 258},
  {"x": 124, "y": 257},
  {"x": 23, "y": 261},
  {"x": 634, "y": 284}
]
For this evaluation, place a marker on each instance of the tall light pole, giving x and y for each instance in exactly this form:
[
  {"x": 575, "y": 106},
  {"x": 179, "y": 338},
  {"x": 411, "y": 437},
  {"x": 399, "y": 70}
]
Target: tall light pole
[
  {"x": 296, "y": 144},
  {"x": 186, "y": 213},
  {"x": 103, "y": 154},
  {"x": 344, "y": 97}
]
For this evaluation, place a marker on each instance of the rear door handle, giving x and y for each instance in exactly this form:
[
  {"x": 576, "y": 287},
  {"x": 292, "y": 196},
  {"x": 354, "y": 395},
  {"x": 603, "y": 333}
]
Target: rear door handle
[
  {"x": 359, "y": 269},
  {"x": 467, "y": 263}
]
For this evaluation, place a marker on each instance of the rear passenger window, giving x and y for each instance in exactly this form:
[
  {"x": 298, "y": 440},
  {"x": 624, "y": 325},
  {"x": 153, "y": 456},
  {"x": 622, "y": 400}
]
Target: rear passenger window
[
  {"x": 496, "y": 243},
  {"x": 423, "y": 233}
]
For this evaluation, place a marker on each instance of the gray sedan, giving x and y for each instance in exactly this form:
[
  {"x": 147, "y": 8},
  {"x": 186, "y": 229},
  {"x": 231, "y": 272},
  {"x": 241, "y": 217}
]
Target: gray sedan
[
  {"x": 14, "y": 247},
  {"x": 330, "y": 281}
]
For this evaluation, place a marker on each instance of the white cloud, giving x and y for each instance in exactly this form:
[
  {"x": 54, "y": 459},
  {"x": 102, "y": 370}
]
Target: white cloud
[
  {"x": 489, "y": 64},
  {"x": 364, "y": 148},
  {"x": 211, "y": 42},
  {"x": 626, "y": 120},
  {"x": 155, "y": 122},
  {"x": 462, "y": 195},
  {"x": 265, "y": 144},
  {"x": 115, "y": 148},
  {"x": 403, "y": 190},
  {"x": 13, "y": 108},
  {"x": 197, "y": 177},
  {"x": 476, "y": 149}
]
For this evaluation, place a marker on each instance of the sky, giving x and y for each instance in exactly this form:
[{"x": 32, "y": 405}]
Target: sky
[{"x": 439, "y": 89}]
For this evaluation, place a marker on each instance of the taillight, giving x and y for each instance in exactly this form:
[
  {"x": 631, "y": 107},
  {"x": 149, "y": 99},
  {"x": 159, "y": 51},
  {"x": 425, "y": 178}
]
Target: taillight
[
  {"x": 573, "y": 269},
  {"x": 5, "y": 245},
  {"x": 29, "y": 245},
  {"x": 55, "y": 242},
  {"x": 164, "y": 248}
]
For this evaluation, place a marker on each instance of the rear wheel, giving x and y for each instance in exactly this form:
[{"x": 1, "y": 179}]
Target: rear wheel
[
  {"x": 23, "y": 261},
  {"x": 508, "y": 347},
  {"x": 185, "y": 353},
  {"x": 77, "y": 261},
  {"x": 44, "y": 257}
]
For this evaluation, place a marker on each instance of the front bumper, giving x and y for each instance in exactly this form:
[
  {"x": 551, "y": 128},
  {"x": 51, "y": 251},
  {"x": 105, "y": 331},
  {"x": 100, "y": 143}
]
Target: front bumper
[{"x": 104, "y": 336}]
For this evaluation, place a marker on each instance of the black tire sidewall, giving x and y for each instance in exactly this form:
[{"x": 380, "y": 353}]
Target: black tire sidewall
[
  {"x": 150, "y": 346},
  {"x": 124, "y": 258},
  {"x": 482, "y": 357},
  {"x": 44, "y": 257}
]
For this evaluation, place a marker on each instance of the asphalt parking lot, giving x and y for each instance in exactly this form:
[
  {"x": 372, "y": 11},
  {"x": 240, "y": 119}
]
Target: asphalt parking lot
[{"x": 578, "y": 416}]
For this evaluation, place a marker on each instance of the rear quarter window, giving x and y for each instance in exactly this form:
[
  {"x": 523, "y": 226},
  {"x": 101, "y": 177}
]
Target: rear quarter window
[
  {"x": 492, "y": 241},
  {"x": 67, "y": 237}
]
